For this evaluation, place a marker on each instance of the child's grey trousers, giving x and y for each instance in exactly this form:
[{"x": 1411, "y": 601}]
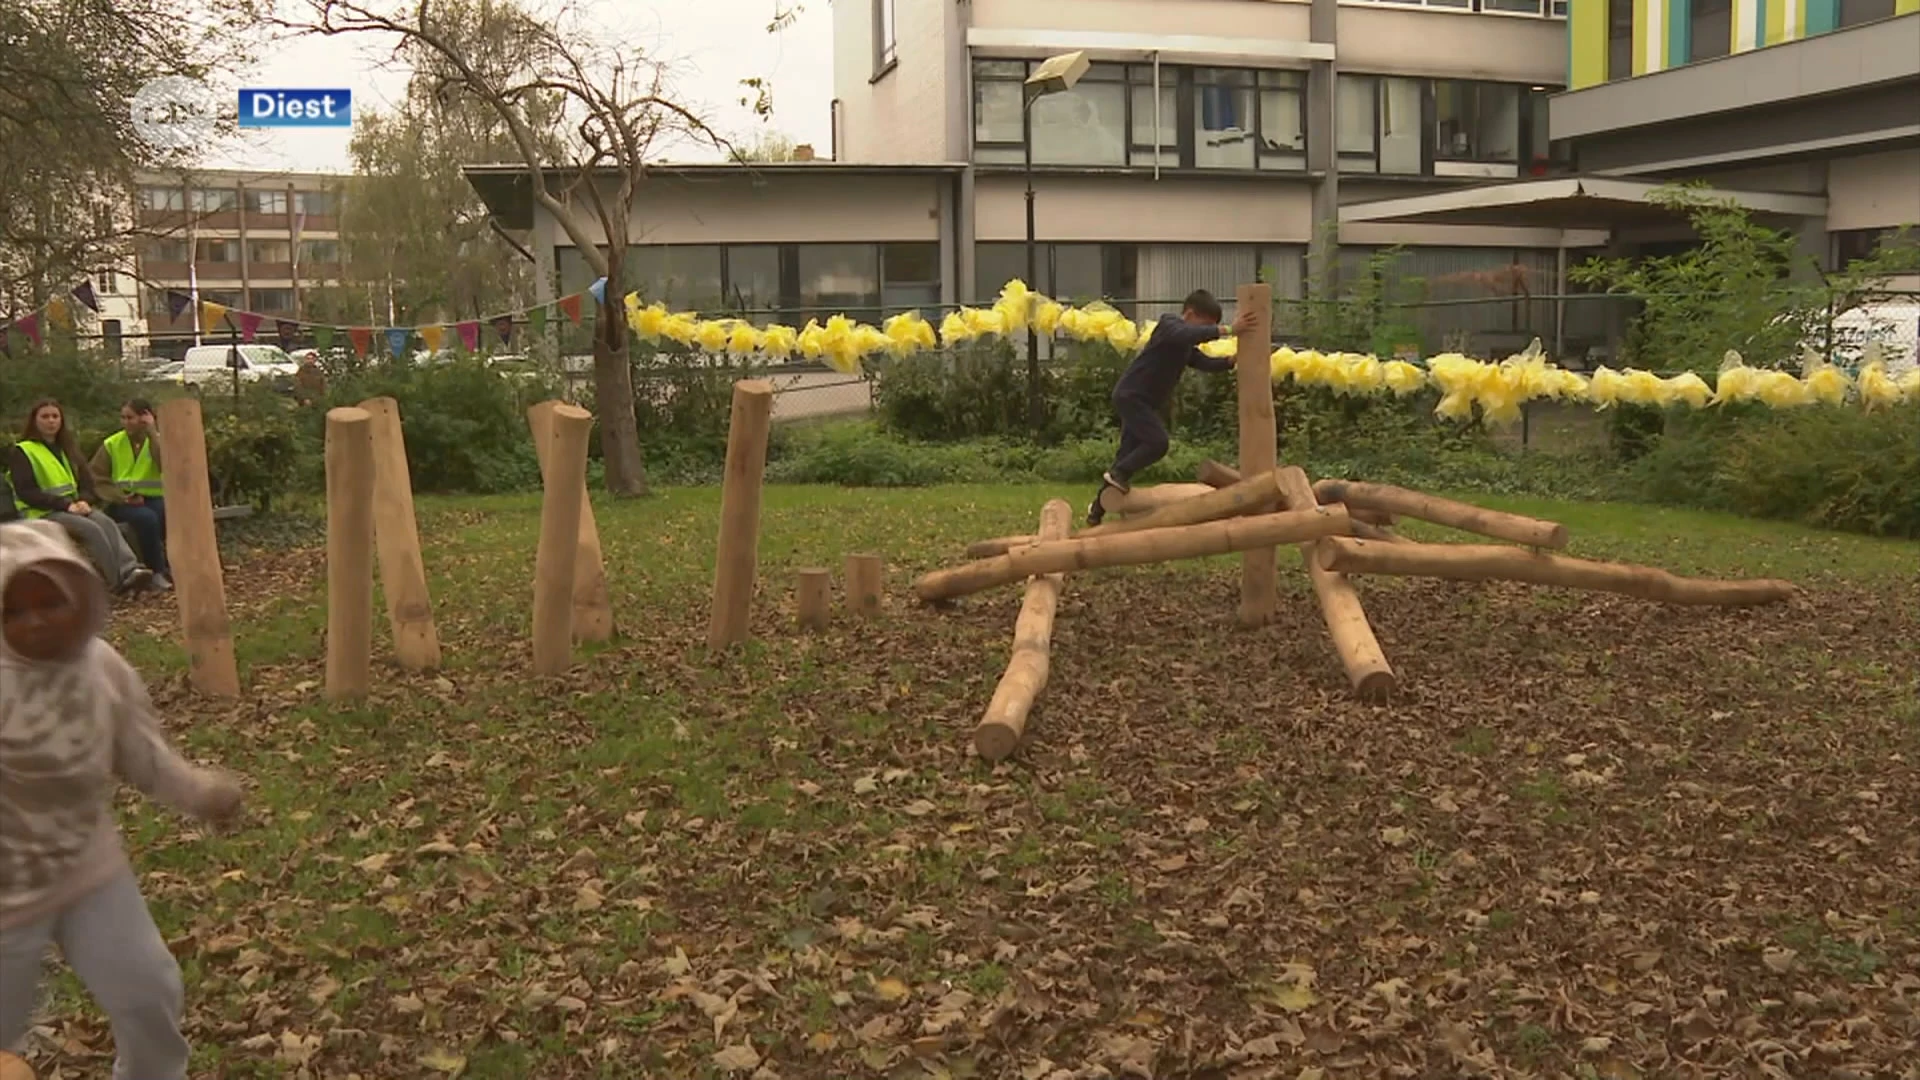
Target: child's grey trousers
[{"x": 109, "y": 939}]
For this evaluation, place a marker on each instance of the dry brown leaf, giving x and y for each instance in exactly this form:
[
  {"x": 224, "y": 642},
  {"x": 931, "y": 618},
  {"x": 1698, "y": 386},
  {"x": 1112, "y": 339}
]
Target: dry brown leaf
[{"x": 737, "y": 1058}]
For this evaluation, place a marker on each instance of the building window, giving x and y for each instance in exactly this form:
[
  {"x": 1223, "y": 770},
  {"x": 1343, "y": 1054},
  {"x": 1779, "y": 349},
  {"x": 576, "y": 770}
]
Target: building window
[
  {"x": 1477, "y": 122},
  {"x": 885, "y": 52},
  {"x": 753, "y": 281},
  {"x": 266, "y": 202},
  {"x": 1710, "y": 29},
  {"x": 216, "y": 201},
  {"x": 1086, "y": 125},
  {"x": 107, "y": 280},
  {"x": 1223, "y": 119},
  {"x": 1080, "y": 273},
  {"x": 999, "y": 129},
  {"x": 273, "y": 301},
  {"x": 318, "y": 203},
  {"x": 1283, "y": 120},
  {"x": 1855, "y": 12},
  {"x": 167, "y": 249},
  {"x": 1379, "y": 125},
  {"x": 1852, "y": 244},
  {"x": 1619, "y": 39},
  {"x": 909, "y": 276},
  {"x": 154, "y": 301},
  {"x": 217, "y": 250},
  {"x": 269, "y": 251},
  {"x": 1556, "y": 9},
  {"x": 163, "y": 198},
  {"x": 1154, "y": 129},
  {"x": 837, "y": 279},
  {"x": 226, "y": 298},
  {"x": 319, "y": 251}
]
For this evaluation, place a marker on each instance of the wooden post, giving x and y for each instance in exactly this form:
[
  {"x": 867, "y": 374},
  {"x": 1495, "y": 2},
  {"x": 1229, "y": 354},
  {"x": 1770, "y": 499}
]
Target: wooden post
[
  {"x": 1005, "y": 721},
  {"x": 1256, "y": 496},
  {"x": 1216, "y": 475},
  {"x": 194, "y": 550},
  {"x": 12, "y": 1066},
  {"x": 1388, "y": 499},
  {"x": 592, "y": 609},
  {"x": 866, "y": 584},
  {"x": 812, "y": 596},
  {"x": 1132, "y": 549},
  {"x": 553, "y": 569},
  {"x": 1497, "y": 562},
  {"x": 740, "y": 512},
  {"x": 1143, "y": 500},
  {"x": 349, "y": 454},
  {"x": 1259, "y": 444},
  {"x": 1367, "y": 670},
  {"x": 396, "y": 537}
]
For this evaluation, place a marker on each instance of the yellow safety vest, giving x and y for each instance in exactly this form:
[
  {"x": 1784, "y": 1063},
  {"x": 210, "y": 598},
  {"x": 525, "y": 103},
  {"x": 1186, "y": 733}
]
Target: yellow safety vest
[
  {"x": 134, "y": 472},
  {"x": 51, "y": 471}
]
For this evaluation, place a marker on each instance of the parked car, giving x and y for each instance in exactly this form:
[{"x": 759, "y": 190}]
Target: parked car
[{"x": 215, "y": 364}]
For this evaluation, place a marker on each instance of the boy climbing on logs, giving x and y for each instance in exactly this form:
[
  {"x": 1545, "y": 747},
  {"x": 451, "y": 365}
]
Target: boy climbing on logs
[{"x": 1148, "y": 384}]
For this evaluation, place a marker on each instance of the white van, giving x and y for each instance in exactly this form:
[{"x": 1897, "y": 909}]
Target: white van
[{"x": 215, "y": 364}]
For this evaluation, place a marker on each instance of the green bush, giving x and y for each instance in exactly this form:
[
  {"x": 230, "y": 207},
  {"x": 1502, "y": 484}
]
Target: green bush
[
  {"x": 257, "y": 448},
  {"x": 972, "y": 391},
  {"x": 1833, "y": 467},
  {"x": 465, "y": 424}
]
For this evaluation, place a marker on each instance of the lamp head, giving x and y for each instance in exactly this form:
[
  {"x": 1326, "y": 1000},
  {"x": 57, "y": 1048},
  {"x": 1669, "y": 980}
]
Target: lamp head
[{"x": 1056, "y": 75}]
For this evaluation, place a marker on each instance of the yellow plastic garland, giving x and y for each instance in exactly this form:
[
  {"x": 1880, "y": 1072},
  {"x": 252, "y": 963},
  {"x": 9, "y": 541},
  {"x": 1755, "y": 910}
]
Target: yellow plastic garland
[{"x": 1496, "y": 389}]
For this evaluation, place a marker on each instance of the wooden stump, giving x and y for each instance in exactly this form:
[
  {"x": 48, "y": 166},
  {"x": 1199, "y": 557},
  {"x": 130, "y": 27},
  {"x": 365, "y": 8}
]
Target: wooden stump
[
  {"x": 1005, "y": 721},
  {"x": 1217, "y": 475},
  {"x": 739, "y": 543},
  {"x": 194, "y": 551},
  {"x": 1256, "y": 496},
  {"x": 1368, "y": 673},
  {"x": 1386, "y": 498},
  {"x": 812, "y": 597},
  {"x": 1495, "y": 562},
  {"x": 592, "y": 608},
  {"x": 349, "y": 462},
  {"x": 554, "y": 563},
  {"x": 396, "y": 537},
  {"x": 1132, "y": 549},
  {"x": 866, "y": 584},
  {"x": 1259, "y": 445},
  {"x": 12, "y": 1066}
]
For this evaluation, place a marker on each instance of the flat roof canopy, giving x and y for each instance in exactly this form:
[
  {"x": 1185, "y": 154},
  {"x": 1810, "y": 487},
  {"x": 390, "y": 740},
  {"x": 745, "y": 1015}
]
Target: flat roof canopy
[{"x": 1574, "y": 202}]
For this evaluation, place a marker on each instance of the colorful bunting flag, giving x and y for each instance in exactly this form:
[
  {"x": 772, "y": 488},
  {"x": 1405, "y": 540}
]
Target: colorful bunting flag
[
  {"x": 177, "y": 303},
  {"x": 571, "y": 305},
  {"x": 288, "y": 332},
  {"x": 599, "y": 291},
  {"x": 503, "y": 325},
  {"x": 431, "y": 336},
  {"x": 30, "y": 326},
  {"x": 249, "y": 324},
  {"x": 397, "y": 340},
  {"x": 362, "y": 339},
  {"x": 469, "y": 335},
  {"x": 83, "y": 292},
  {"x": 323, "y": 338},
  {"x": 537, "y": 321},
  {"x": 211, "y": 315},
  {"x": 58, "y": 315}
]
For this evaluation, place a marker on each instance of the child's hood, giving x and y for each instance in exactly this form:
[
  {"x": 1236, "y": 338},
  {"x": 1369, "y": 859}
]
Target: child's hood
[{"x": 27, "y": 543}]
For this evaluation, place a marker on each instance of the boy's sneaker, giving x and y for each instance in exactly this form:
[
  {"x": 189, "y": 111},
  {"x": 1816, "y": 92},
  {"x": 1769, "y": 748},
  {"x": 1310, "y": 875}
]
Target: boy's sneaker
[
  {"x": 160, "y": 583},
  {"x": 1107, "y": 479},
  {"x": 137, "y": 581},
  {"x": 1096, "y": 513}
]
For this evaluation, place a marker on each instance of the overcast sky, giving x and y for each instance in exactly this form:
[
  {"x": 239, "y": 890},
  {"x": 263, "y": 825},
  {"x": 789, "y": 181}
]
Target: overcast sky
[{"x": 712, "y": 44}]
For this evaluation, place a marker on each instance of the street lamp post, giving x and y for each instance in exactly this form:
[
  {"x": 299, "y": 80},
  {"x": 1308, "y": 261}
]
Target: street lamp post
[{"x": 1055, "y": 75}]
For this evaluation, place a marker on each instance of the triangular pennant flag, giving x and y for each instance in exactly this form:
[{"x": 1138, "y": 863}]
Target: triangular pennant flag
[
  {"x": 598, "y": 290},
  {"x": 249, "y": 325},
  {"x": 30, "y": 326},
  {"x": 571, "y": 305},
  {"x": 323, "y": 338},
  {"x": 287, "y": 333},
  {"x": 537, "y": 321},
  {"x": 83, "y": 292},
  {"x": 397, "y": 340},
  {"x": 503, "y": 325},
  {"x": 58, "y": 315},
  {"x": 362, "y": 339},
  {"x": 177, "y": 303},
  {"x": 211, "y": 315},
  {"x": 431, "y": 336},
  {"x": 469, "y": 335}
]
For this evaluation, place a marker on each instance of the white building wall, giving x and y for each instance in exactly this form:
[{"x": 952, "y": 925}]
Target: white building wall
[
  {"x": 1874, "y": 191},
  {"x": 1451, "y": 45},
  {"x": 1141, "y": 209},
  {"x": 900, "y": 117}
]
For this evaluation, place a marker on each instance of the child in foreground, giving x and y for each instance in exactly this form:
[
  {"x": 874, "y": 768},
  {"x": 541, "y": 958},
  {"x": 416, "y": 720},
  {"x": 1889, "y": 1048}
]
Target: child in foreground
[
  {"x": 1147, "y": 385},
  {"x": 75, "y": 719}
]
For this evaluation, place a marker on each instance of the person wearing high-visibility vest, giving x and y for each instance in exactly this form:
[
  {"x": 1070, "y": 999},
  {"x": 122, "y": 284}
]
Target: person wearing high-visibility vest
[
  {"x": 49, "y": 481},
  {"x": 126, "y": 473}
]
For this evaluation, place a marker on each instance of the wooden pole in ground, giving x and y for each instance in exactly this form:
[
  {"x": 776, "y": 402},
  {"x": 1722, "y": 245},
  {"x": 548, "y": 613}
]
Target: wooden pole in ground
[
  {"x": 740, "y": 512},
  {"x": 396, "y": 537},
  {"x": 592, "y": 608},
  {"x": 1005, "y": 721},
  {"x": 1259, "y": 445},
  {"x": 1497, "y": 562},
  {"x": 1386, "y": 498},
  {"x": 1133, "y": 549},
  {"x": 193, "y": 549},
  {"x": 554, "y": 574},
  {"x": 1144, "y": 500},
  {"x": 866, "y": 583},
  {"x": 1216, "y": 475},
  {"x": 1367, "y": 670},
  {"x": 1257, "y": 496},
  {"x": 349, "y": 454},
  {"x": 812, "y": 596}
]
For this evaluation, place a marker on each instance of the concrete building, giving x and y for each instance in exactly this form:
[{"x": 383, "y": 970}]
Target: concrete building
[{"x": 252, "y": 241}]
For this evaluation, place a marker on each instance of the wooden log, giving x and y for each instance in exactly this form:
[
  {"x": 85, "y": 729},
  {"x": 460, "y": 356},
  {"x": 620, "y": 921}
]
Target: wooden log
[
  {"x": 739, "y": 545},
  {"x": 193, "y": 549},
  {"x": 1259, "y": 445},
  {"x": 1213, "y": 471},
  {"x": 1133, "y": 549},
  {"x": 1455, "y": 515},
  {"x": 866, "y": 584},
  {"x": 1496, "y": 562},
  {"x": 396, "y": 539},
  {"x": 1145, "y": 500},
  {"x": 812, "y": 596},
  {"x": 1005, "y": 722},
  {"x": 1368, "y": 673},
  {"x": 12, "y": 1066},
  {"x": 1381, "y": 533},
  {"x": 554, "y": 575},
  {"x": 349, "y": 463},
  {"x": 1257, "y": 496},
  {"x": 592, "y": 607}
]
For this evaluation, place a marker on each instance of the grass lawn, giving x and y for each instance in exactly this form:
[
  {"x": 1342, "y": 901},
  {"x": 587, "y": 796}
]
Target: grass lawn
[{"x": 1593, "y": 837}]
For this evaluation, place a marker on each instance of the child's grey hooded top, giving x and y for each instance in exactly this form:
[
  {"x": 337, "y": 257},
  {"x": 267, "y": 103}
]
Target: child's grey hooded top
[{"x": 69, "y": 732}]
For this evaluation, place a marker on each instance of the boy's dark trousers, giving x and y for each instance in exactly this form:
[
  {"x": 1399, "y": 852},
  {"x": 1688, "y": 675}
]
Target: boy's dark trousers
[{"x": 1143, "y": 438}]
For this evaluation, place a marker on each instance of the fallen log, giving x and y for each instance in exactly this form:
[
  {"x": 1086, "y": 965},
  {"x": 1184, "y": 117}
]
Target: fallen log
[
  {"x": 1214, "y": 474},
  {"x": 1145, "y": 500},
  {"x": 1495, "y": 562},
  {"x": 1005, "y": 722},
  {"x": 1257, "y": 496},
  {"x": 1133, "y": 549},
  {"x": 1368, "y": 673},
  {"x": 1375, "y": 532},
  {"x": 1455, "y": 515}
]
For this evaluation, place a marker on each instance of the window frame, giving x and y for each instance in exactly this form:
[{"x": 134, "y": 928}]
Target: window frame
[
  {"x": 1430, "y": 108},
  {"x": 252, "y": 198},
  {"x": 328, "y": 199},
  {"x": 886, "y": 39},
  {"x": 171, "y": 199},
  {"x": 224, "y": 200},
  {"x": 1544, "y": 9}
]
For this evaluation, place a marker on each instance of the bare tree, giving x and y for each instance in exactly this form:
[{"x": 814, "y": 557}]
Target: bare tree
[{"x": 619, "y": 109}]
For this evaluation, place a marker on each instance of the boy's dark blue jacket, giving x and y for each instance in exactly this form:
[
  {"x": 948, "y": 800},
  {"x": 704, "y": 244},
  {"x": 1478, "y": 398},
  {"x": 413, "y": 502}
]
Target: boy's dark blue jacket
[{"x": 1173, "y": 348}]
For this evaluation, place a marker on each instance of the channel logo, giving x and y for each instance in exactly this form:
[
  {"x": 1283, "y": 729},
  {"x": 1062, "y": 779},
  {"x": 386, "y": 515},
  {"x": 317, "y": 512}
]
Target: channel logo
[{"x": 303, "y": 108}]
